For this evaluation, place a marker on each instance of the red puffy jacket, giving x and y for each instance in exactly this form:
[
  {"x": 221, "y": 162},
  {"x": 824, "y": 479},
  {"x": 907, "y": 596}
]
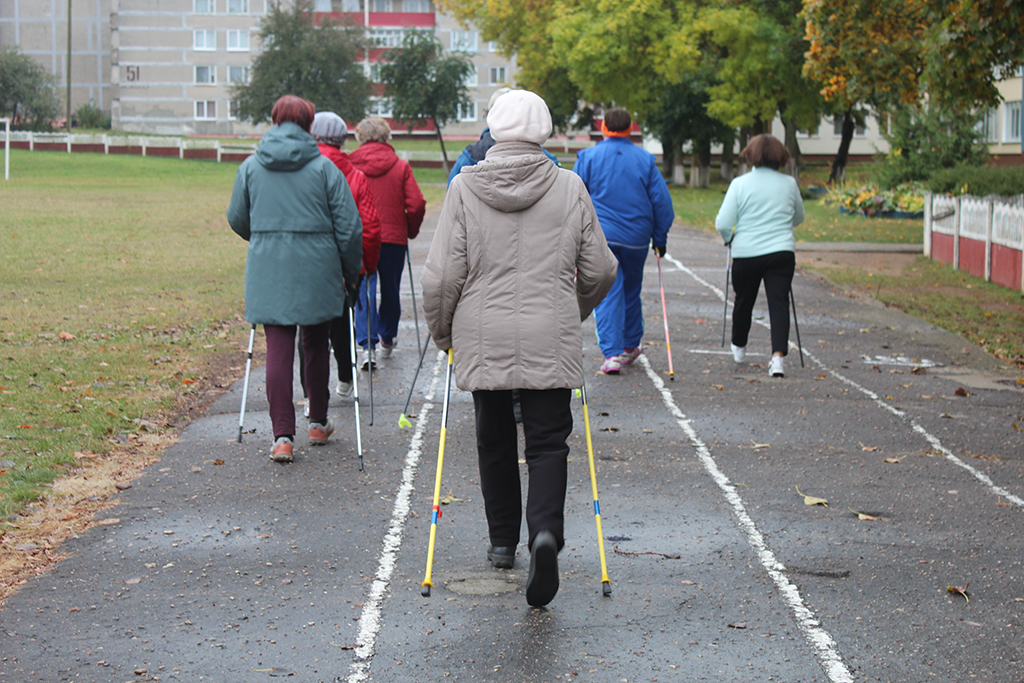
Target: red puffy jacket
[
  {"x": 398, "y": 199},
  {"x": 364, "y": 202}
]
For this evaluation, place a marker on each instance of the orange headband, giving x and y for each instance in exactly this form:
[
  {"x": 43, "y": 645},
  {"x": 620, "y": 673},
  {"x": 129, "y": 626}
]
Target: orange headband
[{"x": 614, "y": 133}]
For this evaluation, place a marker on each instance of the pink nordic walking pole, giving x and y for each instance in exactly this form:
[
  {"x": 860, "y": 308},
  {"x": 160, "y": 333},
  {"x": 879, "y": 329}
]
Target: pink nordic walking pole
[{"x": 664, "y": 317}]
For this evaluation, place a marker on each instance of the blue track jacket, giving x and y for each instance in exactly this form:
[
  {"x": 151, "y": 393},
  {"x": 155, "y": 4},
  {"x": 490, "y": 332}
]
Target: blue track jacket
[{"x": 629, "y": 194}]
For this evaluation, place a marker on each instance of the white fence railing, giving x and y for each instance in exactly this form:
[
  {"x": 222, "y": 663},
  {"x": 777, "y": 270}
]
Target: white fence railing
[
  {"x": 142, "y": 142},
  {"x": 988, "y": 220}
]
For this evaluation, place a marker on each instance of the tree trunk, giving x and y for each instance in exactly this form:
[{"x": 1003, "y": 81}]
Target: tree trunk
[
  {"x": 668, "y": 156},
  {"x": 744, "y": 140},
  {"x": 838, "y": 174},
  {"x": 796, "y": 161},
  {"x": 727, "y": 158},
  {"x": 444, "y": 154},
  {"x": 703, "y": 161}
]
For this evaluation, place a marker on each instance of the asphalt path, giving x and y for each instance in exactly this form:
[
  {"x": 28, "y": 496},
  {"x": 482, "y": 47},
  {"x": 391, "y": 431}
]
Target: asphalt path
[{"x": 220, "y": 565}]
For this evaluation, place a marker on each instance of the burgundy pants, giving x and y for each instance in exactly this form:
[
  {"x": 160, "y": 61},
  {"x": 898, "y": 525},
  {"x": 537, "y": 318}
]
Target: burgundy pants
[{"x": 316, "y": 367}]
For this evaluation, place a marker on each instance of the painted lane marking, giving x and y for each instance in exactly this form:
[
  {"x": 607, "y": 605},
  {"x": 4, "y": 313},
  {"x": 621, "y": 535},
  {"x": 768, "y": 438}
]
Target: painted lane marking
[
  {"x": 931, "y": 439},
  {"x": 820, "y": 640},
  {"x": 369, "y": 620}
]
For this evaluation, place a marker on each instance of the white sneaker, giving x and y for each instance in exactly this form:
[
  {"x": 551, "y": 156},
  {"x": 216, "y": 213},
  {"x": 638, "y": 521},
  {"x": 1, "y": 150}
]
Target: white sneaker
[
  {"x": 775, "y": 368},
  {"x": 366, "y": 360},
  {"x": 385, "y": 350},
  {"x": 738, "y": 353},
  {"x": 344, "y": 390}
]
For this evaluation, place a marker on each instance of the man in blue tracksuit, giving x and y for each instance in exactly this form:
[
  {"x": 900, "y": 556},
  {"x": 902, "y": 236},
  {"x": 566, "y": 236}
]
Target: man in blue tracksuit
[{"x": 635, "y": 209}]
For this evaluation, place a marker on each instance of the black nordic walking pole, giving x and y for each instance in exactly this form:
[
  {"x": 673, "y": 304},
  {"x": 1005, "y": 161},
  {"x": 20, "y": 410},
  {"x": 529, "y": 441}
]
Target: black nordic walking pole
[
  {"x": 369, "y": 347},
  {"x": 606, "y": 583},
  {"x": 415, "y": 315},
  {"x": 664, "y": 317},
  {"x": 436, "y": 509},
  {"x": 355, "y": 379},
  {"x": 403, "y": 421},
  {"x": 796, "y": 325},
  {"x": 725, "y": 313},
  {"x": 245, "y": 384}
]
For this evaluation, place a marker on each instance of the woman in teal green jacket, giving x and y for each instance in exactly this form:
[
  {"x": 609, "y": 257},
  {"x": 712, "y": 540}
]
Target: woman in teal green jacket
[{"x": 296, "y": 211}]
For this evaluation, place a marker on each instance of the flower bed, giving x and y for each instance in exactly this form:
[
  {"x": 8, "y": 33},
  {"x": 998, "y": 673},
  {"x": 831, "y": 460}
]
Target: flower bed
[{"x": 903, "y": 201}]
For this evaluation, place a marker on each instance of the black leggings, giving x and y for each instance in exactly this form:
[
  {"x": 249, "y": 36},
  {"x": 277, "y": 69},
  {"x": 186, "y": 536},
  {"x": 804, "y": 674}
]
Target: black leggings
[
  {"x": 342, "y": 352},
  {"x": 776, "y": 270}
]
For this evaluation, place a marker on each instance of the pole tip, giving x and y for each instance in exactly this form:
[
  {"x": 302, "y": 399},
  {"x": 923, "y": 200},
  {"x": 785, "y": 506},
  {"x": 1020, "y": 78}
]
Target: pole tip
[
  {"x": 403, "y": 422},
  {"x": 425, "y": 591},
  {"x": 607, "y": 588}
]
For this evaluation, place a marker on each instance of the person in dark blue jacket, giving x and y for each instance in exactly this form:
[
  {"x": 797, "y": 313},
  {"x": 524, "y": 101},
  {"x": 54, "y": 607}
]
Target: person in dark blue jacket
[
  {"x": 473, "y": 154},
  {"x": 635, "y": 210}
]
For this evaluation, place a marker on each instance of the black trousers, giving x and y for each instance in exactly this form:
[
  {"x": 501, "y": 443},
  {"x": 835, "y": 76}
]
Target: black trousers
[
  {"x": 776, "y": 270},
  {"x": 342, "y": 351},
  {"x": 547, "y": 423}
]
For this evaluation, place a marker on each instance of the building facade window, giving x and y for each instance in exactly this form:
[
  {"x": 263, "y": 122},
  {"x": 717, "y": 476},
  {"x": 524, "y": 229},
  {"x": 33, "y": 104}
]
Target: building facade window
[
  {"x": 206, "y": 75},
  {"x": 204, "y": 40},
  {"x": 472, "y": 79},
  {"x": 238, "y": 40},
  {"x": 464, "y": 41},
  {"x": 467, "y": 112},
  {"x": 381, "y": 6},
  {"x": 233, "y": 109},
  {"x": 238, "y": 74},
  {"x": 206, "y": 109},
  {"x": 497, "y": 75},
  {"x": 492, "y": 46},
  {"x": 380, "y": 106},
  {"x": 203, "y": 7},
  {"x": 988, "y": 126},
  {"x": 386, "y": 37},
  {"x": 1011, "y": 122},
  {"x": 421, "y": 6},
  {"x": 238, "y": 6}
]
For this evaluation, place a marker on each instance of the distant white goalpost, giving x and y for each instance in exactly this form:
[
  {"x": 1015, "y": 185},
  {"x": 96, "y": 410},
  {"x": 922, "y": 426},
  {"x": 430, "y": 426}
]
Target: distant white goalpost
[{"x": 7, "y": 148}]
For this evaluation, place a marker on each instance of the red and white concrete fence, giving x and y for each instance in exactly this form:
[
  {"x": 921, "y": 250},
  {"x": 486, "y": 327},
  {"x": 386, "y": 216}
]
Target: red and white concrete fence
[{"x": 982, "y": 236}]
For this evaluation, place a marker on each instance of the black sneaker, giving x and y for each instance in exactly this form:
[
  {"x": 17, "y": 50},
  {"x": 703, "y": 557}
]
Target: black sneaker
[
  {"x": 542, "y": 584},
  {"x": 502, "y": 556}
]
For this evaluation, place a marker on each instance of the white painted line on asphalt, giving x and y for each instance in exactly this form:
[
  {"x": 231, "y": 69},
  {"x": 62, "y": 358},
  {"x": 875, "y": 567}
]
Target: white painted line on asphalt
[
  {"x": 932, "y": 440},
  {"x": 821, "y": 641},
  {"x": 369, "y": 620}
]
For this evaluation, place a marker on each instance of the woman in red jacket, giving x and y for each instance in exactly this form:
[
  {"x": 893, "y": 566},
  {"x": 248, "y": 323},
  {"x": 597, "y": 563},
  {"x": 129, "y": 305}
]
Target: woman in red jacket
[
  {"x": 400, "y": 206},
  {"x": 329, "y": 131}
]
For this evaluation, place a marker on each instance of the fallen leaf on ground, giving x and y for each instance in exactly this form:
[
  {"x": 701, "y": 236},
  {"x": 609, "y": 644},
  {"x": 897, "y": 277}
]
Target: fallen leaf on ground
[
  {"x": 868, "y": 448},
  {"x": 760, "y": 445},
  {"x": 862, "y": 516},
  {"x": 739, "y": 625},
  {"x": 959, "y": 590},
  {"x": 811, "y": 500},
  {"x": 893, "y": 459},
  {"x": 450, "y": 498},
  {"x": 961, "y": 392}
]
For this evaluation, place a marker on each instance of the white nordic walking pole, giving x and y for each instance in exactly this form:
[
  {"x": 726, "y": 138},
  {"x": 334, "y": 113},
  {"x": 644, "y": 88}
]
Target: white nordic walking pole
[
  {"x": 369, "y": 347},
  {"x": 245, "y": 384},
  {"x": 664, "y": 318},
  {"x": 725, "y": 313},
  {"x": 606, "y": 583},
  {"x": 355, "y": 380},
  {"x": 436, "y": 509},
  {"x": 412, "y": 290},
  {"x": 796, "y": 325}
]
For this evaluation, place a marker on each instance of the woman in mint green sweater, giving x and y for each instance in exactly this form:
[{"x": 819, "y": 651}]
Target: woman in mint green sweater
[{"x": 757, "y": 218}]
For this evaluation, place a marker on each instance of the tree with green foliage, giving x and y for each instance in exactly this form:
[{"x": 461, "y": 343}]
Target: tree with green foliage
[
  {"x": 424, "y": 84},
  {"x": 318, "y": 61},
  {"x": 28, "y": 93},
  {"x": 923, "y": 140}
]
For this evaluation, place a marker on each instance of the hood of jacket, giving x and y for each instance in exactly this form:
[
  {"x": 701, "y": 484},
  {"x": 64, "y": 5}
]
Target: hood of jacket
[
  {"x": 513, "y": 177},
  {"x": 374, "y": 158},
  {"x": 286, "y": 148},
  {"x": 339, "y": 158}
]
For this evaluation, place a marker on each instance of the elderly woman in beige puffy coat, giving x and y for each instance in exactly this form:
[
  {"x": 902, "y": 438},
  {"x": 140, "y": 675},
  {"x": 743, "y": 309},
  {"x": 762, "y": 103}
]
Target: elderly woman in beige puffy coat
[{"x": 518, "y": 261}]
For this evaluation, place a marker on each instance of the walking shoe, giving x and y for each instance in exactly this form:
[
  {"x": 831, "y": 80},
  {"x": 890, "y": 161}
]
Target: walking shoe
[
  {"x": 629, "y": 355},
  {"x": 385, "y": 350},
  {"x": 305, "y": 409},
  {"x": 344, "y": 390},
  {"x": 542, "y": 583},
  {"x": 611, "y": 366},
  {"x": 319, "y": 432},
  {"x": 502, "y": 556},
  {"x": 738, "y": 353},
  {"x": 775, "y": 368},
  {"x": 367, "y": 361},
  {"x": 282, "y": 450}
]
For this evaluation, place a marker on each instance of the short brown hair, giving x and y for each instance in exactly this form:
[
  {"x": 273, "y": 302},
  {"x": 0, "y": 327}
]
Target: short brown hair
[
  {"x": 373, "y": 129},
  {"x": 617, "y": 119},
  {"x": 294, "y": 109},
  {"x": 766, "y": 151}
]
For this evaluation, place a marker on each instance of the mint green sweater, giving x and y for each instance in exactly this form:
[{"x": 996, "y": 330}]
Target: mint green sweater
[{"x": 759, "y": 212}]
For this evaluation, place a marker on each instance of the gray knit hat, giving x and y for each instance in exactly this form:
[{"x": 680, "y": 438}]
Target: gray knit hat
[{"x": 329, "y": 128}]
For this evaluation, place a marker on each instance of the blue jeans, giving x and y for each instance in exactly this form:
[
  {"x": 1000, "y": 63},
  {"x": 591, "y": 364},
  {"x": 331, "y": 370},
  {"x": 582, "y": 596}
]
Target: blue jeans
[
  {"x": 383, "y": 324},
  {"x": 620, "y": 317}
]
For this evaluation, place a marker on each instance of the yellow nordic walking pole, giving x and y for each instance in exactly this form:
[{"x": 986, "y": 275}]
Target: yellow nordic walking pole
[
  {"x": 606, "y": 583},
  {"x": 664, "y": 317},
  {"x": 436, "y": 510}
]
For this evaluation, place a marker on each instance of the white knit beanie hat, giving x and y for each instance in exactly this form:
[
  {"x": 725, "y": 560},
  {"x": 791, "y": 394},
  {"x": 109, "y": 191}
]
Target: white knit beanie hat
[
  {"x": 519, "y": 116},
  {"x": 329, "y": 128}
]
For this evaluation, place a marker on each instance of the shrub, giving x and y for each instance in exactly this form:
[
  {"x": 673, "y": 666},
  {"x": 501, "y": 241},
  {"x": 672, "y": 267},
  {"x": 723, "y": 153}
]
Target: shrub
[
  {"x": 870, "y": 200},
  {"x": 923, "y": 141},
  {"x": 88, "y": 116},
  {"x": 980, "y": 182}
]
